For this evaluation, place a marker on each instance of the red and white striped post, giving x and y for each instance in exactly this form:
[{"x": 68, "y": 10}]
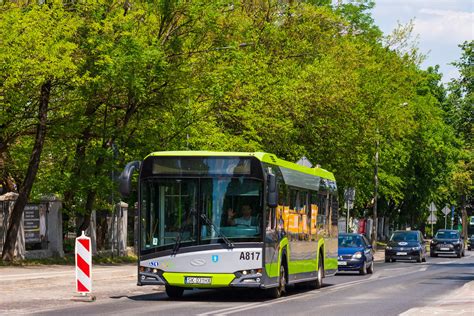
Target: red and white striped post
[{"x": 83, "y": 264}]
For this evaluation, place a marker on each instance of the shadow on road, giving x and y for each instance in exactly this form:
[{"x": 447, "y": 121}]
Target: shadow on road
[
  {"x": 462, "y": 277},
  {"x": 219, "y": 295},
  {"x": 451, "y": 265}
]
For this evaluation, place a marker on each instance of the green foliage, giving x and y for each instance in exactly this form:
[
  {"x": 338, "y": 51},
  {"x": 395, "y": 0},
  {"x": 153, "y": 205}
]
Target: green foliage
[{"x": 293, "y": 78}]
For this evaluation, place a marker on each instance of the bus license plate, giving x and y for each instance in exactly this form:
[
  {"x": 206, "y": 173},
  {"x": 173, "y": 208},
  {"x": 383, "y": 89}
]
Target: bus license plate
[
  {"x": 342, "y": 263},
  {"x": 197, "y": 280}
]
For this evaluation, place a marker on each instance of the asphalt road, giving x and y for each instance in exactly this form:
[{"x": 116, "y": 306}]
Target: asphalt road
[{"x": 391, "y": 290}]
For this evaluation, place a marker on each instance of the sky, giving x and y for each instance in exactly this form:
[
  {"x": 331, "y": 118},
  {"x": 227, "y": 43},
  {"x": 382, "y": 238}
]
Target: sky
[{"x": 440, "y": 24}]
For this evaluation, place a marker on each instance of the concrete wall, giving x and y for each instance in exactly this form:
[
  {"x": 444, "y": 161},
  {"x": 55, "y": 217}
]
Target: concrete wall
[
  {"x": 54, "y": 234},
  {"x": 117, "y": 224}
]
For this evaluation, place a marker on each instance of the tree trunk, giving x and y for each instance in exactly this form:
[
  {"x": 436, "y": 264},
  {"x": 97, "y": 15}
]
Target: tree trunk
[
  {"x": 376, "y": 187},
  {"x": 24, "y": 193},
  {"x": 465, "y": 220},
  {"x": 80, "y": 155}
]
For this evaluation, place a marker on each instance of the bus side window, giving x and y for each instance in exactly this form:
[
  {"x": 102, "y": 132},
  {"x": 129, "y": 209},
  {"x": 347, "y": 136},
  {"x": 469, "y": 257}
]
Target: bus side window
[
  {"x": 306, "y": 217},
  {"x": 294, "y": 199},
  {"x": 322, "y": 205}
]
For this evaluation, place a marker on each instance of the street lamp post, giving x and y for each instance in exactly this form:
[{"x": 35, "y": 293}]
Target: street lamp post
[{"x": 349, "y": 196}]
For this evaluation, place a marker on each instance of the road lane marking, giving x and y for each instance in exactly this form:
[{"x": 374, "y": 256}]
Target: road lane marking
[
  {"x": 236, "y": 309},
  {"x": 230, "y": 310}
]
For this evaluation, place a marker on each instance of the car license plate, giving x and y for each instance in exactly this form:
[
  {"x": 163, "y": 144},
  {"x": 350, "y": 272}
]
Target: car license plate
[
  {"x": 342, "y": 263},
  {"x": 197, "y": 280},
  {"x": 444, "y": 248},
  {"x": 401, "y": 253}
]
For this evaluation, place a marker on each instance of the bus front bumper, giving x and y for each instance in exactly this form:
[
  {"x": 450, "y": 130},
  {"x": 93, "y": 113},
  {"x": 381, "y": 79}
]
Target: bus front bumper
[
  {"x": 201, "y": 280},
  {"x": 145, "y": 278}
]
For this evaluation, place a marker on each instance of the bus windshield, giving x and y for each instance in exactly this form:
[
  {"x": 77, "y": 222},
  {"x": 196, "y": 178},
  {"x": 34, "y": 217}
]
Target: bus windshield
[
  {"x": 173, "y": 207},
  {"x": 234, "y": 205}
]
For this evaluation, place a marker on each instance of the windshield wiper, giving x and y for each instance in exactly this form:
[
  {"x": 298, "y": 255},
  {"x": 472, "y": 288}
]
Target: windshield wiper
[
  {"x": 177, "y": 244},
  {"x": 219, "y": 233}
]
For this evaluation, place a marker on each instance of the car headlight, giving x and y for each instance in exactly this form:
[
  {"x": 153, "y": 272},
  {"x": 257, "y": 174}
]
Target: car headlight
[
  {"x": 456, "y": 242},
  {"x": 416, "y": 248},
  {"x": 389, "y": 248},
  {"x": 357, "y": 255}
]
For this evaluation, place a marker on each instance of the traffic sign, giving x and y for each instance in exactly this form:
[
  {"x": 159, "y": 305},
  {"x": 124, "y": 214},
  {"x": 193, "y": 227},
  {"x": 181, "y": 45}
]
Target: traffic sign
[
  {"x": 432, "y": 207},
  {"x": 446, "y": 210},
  {"x": 432, "y": 219}
]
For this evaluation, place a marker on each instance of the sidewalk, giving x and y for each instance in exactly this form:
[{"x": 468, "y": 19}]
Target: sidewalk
[
  {"x": 32, "y": 289},
  {"x": 459, "y": 302},
  {"x": 379, "y": 255}
]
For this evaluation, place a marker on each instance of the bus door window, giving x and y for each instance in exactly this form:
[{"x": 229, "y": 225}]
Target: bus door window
[
  {"x": 302, "y": 212},
  {"x": 293, "y": 214},
  {"x": 314, "y": 210},
  {"x": 306, "y": 216},
  {"x": 283, "y": 207}
]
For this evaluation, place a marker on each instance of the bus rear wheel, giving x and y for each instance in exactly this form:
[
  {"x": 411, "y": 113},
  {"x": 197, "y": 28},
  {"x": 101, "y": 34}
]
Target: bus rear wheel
[{"x": 174, "y": 291}]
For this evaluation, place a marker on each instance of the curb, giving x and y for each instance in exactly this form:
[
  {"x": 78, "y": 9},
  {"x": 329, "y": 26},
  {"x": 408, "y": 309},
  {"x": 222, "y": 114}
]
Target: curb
[{"x": 458, "y": 302}]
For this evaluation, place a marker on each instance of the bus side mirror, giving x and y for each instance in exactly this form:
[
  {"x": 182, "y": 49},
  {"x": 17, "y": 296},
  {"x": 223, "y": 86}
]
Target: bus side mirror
[
  {"x": 272, "y": 191},
  {"x": 125, "y": 178}
]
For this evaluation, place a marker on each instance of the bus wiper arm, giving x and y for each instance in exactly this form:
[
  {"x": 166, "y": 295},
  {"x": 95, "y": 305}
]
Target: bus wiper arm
[
  {"x": 219, "y": 233},
  {"x": 177, "y": 244}
]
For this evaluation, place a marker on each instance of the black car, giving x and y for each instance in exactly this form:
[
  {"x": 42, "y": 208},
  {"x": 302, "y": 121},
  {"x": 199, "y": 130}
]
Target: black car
[
  {"x": 447, "y": 242},
  {"x": 406, "y": 245},
  {"x": 470, "y": 242}
]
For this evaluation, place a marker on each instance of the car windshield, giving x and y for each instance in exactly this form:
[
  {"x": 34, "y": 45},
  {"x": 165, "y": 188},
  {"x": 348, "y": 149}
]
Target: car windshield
[
  {"x": 447, "y": 235},
  {"x": 350, "y": 241},
  {"x": 404, "y": 236}
]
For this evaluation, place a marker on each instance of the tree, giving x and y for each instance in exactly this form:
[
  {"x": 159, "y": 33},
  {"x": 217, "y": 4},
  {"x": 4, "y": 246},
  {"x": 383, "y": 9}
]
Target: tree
[
  {"x": 37, "y": 59},
  {"x": 459, "y": 108}
]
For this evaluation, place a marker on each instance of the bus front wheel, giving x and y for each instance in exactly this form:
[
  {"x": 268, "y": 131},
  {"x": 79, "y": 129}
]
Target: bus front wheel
[
  {"x": 278, "y": 291},
  {"x": 174, "y": 291},
  {"x": 319, "y": 280}
]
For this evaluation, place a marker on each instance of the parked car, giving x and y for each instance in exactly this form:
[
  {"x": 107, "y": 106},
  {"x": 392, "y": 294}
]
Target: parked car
[
  {"x": 406, "y": 245},
  {"x": 470, "y": 242},
  {"x": 355, "y": 254},
  {"x": 447, "y": 242}
]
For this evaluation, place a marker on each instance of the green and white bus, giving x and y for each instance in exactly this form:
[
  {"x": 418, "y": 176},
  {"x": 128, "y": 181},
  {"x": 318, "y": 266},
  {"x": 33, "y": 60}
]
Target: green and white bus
[{"x": 233, "y": 219}]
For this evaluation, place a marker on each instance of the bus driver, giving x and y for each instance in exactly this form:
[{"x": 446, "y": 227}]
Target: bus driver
[{"x": 246, "y": 219}]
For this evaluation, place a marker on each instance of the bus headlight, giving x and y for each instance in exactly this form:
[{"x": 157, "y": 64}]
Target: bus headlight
[{"x": 248, "y": 273}]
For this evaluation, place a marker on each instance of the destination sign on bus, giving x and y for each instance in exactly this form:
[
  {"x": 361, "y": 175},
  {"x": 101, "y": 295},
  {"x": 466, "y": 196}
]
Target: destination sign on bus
[{"x": 202, "y": 166}]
